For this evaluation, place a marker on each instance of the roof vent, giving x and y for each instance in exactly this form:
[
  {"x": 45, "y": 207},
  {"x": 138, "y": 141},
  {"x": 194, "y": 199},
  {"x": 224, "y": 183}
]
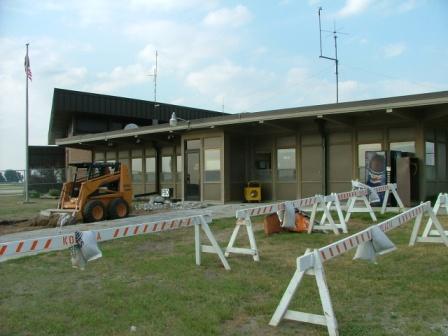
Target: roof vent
[{"x": 130, "y": 126}]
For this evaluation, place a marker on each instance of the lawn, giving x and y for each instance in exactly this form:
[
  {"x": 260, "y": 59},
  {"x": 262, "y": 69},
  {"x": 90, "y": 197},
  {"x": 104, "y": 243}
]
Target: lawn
[
  {"x": 151, "y": 282},
  {"x": 13, "y": 208}
]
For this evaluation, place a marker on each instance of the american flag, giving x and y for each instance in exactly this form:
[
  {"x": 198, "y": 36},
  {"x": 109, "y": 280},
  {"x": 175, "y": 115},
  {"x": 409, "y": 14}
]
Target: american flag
[{"x": 28, "y": 68}]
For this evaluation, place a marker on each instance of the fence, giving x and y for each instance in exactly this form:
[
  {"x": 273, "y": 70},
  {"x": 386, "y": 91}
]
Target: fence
[{"x": 40, "y": 181}]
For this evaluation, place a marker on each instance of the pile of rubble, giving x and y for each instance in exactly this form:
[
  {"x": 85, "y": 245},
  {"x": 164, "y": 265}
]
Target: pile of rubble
[{"x": 159, "y": 203}]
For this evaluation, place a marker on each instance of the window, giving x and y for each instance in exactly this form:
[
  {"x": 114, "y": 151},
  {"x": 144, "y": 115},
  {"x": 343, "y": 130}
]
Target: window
[
  {"x": 150, "y": 169},
  {"x": 263, "y": 169},
  {"x": 193, "y": 144},
  {"x": 430, "y": 154},
  {"x": 286, "y": 164},
  {"x": 179, "y": 167},
  {"x": 212, "y": 169},
  {"x": 137, "y": 170},
  {"x": 362, "y": 149},
  {"x": 167, "y": 175},
  {"x": 404, "y": 146}
]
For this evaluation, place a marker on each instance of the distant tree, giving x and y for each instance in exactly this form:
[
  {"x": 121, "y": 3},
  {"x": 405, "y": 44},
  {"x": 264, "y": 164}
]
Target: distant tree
[
  {"x": 2, "y": 178},
  {"x": 12, "y": 176}
]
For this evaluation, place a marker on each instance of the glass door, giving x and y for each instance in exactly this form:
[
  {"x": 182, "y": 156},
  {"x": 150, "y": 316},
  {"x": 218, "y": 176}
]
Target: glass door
[{"x": 192, "y": 176}]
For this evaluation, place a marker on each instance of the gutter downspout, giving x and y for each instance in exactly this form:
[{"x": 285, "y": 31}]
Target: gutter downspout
[
  {"x": 321, "y": 128},
  {"x": 158, "y": 166}
]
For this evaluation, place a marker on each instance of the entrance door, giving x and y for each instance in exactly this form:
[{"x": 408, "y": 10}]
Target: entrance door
[{"x": 192, "y": 176}]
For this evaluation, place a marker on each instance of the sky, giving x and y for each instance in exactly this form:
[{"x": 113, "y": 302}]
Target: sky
[{"x": 236, "y": 56}]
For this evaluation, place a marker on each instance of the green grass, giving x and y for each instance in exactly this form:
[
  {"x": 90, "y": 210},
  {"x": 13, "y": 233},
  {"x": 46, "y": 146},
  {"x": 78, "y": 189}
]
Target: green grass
[
  {"x": 12, "y": 207},
  {"x": 152, "y": 282}
]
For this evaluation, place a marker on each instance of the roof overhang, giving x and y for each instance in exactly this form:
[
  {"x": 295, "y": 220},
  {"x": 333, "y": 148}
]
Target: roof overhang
[{"x": 384, "y": 104}]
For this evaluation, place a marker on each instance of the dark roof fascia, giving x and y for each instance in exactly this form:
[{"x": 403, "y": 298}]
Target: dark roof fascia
[{"x": 424, "y": 99}]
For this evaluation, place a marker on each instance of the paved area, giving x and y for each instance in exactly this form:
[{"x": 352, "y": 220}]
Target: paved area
[{"x": 215, "y": 211}]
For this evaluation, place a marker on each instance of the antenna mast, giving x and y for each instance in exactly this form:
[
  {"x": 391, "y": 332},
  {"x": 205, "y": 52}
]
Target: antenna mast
[
  {"x": 335, "y": 58},
  {"x": 155, "y": 80}
]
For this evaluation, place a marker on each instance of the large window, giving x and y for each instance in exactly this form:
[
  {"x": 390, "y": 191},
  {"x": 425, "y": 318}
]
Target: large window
[
  {"x": 212, "y": 165},
  {"x": 286, "y": 164},
  {"x": 137, "y": 170},
  {"x": 150, "y": 168},
  {"x": 263, "y": 169},
  {"x": 404, "y": 146},
  {"x": 167, "y": 173},
  {"x": 362, "y": 149}
]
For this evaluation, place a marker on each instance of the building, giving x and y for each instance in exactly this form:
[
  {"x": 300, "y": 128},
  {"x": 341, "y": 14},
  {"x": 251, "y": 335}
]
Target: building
[
  {"x": 75, "y": 113},
  {"x": 293, "y": 153}
]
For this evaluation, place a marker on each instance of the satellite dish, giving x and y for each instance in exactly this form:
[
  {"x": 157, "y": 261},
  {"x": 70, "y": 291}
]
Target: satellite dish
[{"x": 130, "y": 126}]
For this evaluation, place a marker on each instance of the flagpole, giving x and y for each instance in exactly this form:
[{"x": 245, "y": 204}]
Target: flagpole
[{"x": 26, "y": 134}]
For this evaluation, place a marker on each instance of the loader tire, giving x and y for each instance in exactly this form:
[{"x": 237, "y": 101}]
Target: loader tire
[
  {"x": 94, "y": 211},
  {"x": 118, "y": 208}
]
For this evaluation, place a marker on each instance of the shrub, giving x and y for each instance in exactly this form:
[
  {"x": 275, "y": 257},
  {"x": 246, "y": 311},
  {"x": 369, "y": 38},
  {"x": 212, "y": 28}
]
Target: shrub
[
  {"x": 34, "y": 194},
  {"x": 54, "y": 192}
]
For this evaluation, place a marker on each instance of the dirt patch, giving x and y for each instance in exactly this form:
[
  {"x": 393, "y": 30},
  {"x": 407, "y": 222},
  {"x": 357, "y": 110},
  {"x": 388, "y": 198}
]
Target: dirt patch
[{"x": 35, "y": 223}]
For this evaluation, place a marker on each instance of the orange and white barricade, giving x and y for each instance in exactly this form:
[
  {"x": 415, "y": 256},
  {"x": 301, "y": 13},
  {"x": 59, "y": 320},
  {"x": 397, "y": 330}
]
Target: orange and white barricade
[
  {"x": 311, "y": 263},
  {"x": 429, "y": 235},
  {"x": 243, "y": 219},
  {"x": 20, "y": 248},
  {"x": 327, "y": 222}
]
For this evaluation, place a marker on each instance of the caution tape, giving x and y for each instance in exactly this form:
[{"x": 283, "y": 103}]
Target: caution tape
[
  {"x": 335, "y": 249},
  {"x": 59, "y": 242}
]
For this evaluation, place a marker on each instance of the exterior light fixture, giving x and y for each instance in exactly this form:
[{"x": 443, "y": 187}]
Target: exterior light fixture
[
  {"x": 320, "y": 116},
  {"x": 174, "y": 119},
  {"x": 261, "y": 121},
  {"x": 389, "y": 110}
]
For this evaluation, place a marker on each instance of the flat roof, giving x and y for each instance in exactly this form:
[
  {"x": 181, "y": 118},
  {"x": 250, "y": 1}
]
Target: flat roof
[{"x": 424, "y": 99}]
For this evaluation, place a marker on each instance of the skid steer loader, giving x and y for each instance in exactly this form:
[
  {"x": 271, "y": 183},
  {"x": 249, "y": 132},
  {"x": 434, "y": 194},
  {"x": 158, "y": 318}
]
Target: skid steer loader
[{"x": 99, "y": 190}]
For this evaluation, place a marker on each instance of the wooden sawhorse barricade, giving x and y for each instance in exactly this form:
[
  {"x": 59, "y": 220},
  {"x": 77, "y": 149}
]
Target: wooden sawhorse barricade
[
  {"x": 243, "y": 218},
  {"x": 21, "y": 248},
  {"x": 311, "y": 263},
  {"x": 429, "y": 235},
  {"x": 360, "y": 194}
]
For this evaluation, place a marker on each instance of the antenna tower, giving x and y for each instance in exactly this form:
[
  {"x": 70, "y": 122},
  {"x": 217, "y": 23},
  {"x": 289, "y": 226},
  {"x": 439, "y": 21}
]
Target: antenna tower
[{"x": 335, "y": 58}]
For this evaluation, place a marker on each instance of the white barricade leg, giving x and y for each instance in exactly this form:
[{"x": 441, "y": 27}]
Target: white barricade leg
[
  {"x": 214, "y": 248},
  {"x": 323, "y": 224},
  {"x": 282, "y": 311},
  {"x": 440, "y": 235},
  {"x": 385, "y": 200},
  {"x": 429, "y": 223},
  {"x": 352, "y": 207},
  {"x": 415, "y": 230},
  {"x": 342, "y": 222},
  {"x": 313, "y": 217},
  {"x": 398, "y": 199},
  {"x": 253, "y": 250}
]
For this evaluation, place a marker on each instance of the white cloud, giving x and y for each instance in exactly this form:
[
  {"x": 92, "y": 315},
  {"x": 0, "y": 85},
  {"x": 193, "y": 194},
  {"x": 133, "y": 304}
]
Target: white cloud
[
  {"x": 120, "y": 77},
  {"x": 233, "y": 17},
  {"x": 394, "y": 49},
  {"x": 353, "y": 7},
  {"x": 407, "y": 5}
]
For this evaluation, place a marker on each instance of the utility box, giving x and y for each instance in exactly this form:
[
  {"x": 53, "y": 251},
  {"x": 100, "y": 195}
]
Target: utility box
[
  {"x": 252, "y": 193},
  {"x": 407, "y": 180}
]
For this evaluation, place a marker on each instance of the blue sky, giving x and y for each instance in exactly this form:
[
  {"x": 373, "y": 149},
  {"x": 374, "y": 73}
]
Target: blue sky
[{"x": 247, "y": 55}]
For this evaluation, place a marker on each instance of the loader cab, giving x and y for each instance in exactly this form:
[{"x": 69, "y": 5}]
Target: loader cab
[{"x": 88, "y": 171}]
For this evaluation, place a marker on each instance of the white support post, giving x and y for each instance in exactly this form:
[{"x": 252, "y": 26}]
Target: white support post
[
  {"x": 320, "y": 205},
  {"x": 333, "y": 198},
  {"x": 253, "y": 250},
  {"x": 214, "y": 248},
  {"x": 328, "y": 319},
  {"x": 352, "y": 207},
  {"x": 391, "y": 188},
  {"x": 441, "y": 202},
  {"x": 439, "y": 235}
]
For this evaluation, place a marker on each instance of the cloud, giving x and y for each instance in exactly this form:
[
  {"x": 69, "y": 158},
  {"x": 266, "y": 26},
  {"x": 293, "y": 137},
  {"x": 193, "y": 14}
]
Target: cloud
[
  {"x": 353, "y": 7},
  {"x": 120, "y": 77},
  {"x": 394, "y": 49},
  {"x": 233, "y": 17}
]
